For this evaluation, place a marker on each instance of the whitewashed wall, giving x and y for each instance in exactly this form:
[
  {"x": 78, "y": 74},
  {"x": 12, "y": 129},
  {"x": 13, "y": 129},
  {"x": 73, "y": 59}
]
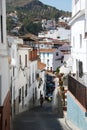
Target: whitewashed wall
[
  {"x": 4, "y": 66},
  {"x": 80, "y": 5},
  {"x": 56, "y": 59},
  {"x": 44, "y": 57},
  {"x": 78, "y": 52}
]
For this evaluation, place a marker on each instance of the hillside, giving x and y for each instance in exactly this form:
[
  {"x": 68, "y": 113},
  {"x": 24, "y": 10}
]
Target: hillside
[
  {"x": 31, "y": 11},
  {"x": 32, "y": 4},
  {"x": 18, "y": 2}
]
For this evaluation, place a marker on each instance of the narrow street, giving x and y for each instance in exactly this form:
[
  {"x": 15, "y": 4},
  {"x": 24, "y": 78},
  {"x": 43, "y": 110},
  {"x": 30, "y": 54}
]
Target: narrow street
[{"x": 39, "y": 118}]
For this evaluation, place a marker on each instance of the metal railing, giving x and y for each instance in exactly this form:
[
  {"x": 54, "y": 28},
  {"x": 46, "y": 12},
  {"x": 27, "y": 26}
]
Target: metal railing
[{"x": 79, "y": 90}]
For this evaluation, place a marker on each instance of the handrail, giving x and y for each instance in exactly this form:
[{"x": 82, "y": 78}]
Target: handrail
[{"x": 79, "y": 90}]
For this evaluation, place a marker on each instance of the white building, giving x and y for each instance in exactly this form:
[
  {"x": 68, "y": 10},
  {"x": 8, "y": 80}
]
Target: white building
[
  {"x": 63, "y": 34},
  {"x": 78, "y": 41},
  {"x": 24, "y": 68},
  {"x": 64, "y": 19},
  {"x": 53, "y": 58},
  {"x": 19, "y": 72},
  {"x": 60, "y": 33},
  {"x": 48, "y": 24},
  {"x": 77, "y": 83},
  {"x": 4, "y": 72},
  {"x": 66, "y": 68},
  {"x": 41, "y": 81},
  {"x": 46, "y": 44}
]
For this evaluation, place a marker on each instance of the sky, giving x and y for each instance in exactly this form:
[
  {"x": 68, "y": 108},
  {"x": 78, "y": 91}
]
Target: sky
[{"x": 59, "y": 4}]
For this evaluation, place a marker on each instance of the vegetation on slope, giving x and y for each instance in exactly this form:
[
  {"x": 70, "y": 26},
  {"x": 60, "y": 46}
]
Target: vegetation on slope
[{"x": 30, "y": 13}]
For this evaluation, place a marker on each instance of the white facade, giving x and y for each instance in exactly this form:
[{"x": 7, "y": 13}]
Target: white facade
[
  {"x": 78, "y": 41},
  {"x": 63, "y": 34},
  {"x": 46, "y": 45},
  {"x": 25, "y": 90},
  {"x": 4, "y": 66},
  {"x": 49, "y": 34},
  {"x": 77, "y": 5},
  {"x": 32, "y": 82},
  {"x": 23, "y": 78},
  {"x": 60, "y": 33},
  {"x": 48, "y": 24},
  {"x": 52, "y": 58},
  {"x": 64, "y": 19},
  {"x": 19, "y": 72},
  {"x": 41, "y": 84}
]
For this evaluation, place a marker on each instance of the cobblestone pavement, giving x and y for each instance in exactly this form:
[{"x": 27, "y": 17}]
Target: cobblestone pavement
[{"x": 40, "y": 118}]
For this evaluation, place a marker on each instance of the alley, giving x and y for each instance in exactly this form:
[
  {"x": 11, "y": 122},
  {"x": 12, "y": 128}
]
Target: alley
[{"x": 39, "y": 118}]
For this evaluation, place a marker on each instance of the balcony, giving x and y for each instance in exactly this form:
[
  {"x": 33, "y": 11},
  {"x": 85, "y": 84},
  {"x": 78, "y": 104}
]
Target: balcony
[
  {"x": 33, "y": 55},
  {"x": 78, "y": 89}
]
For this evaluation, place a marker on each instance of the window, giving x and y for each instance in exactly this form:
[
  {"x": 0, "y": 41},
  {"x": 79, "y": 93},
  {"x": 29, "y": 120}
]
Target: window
[
  {"x": 37, "y": 75},
  {"x": 57, "y": 53},
  {"x": 32, "y": 77},
  {"x": 26, "y": 90},
  {"x": 25, "y": 60},
  {"x": 41, "y": 45},
  {"x": 35, "y": 93},
  {"x": 22, "y": 92},
  {"x": 58, "y": 37},
  {"x": 47, "y": 54},
  {"x": 50, "y": 68},
  {"x": 19, "y": 95},
  {"x": 29, "y": 80},
  {"x": 62, "y": 58},
  {"x": 43, "y": 54},
  {"x": 48, "y": 62},
  {"x": 80, "y": 40},
  {"x": 20, "y": 59},
  {"x": 1, "y": 21},
  {"x": 80, "y": 69},
  {"x": 47, "y": 68}
]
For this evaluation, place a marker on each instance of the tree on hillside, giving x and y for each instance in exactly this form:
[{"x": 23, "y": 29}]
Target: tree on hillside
[{"x": 31, "y": 27}]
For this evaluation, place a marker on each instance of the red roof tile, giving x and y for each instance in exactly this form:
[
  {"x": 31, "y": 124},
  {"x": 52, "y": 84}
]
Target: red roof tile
[
  {"x": 41, "y": 65},
  {"x": 47, "y": 50}
]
